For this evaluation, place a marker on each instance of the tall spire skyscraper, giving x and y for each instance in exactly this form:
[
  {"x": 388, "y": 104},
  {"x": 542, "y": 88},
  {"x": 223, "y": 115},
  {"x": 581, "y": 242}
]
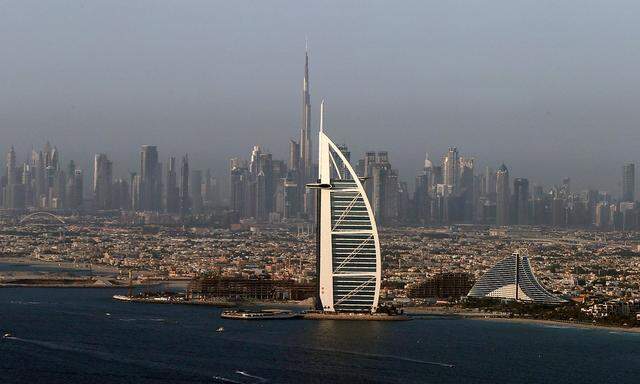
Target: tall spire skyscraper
[{"x": 305, "y": 140}]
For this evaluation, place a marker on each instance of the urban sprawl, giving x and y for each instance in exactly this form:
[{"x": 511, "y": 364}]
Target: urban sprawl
[{"x": 168, "y": 220}]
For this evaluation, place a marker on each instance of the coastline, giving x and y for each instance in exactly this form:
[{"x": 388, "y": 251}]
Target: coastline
[
  {"x": 33, "y": 262},
  {"x": 500, "y": 317},
  {"x": 566, "y": 324},
  {"x": 28, "y": 272}
]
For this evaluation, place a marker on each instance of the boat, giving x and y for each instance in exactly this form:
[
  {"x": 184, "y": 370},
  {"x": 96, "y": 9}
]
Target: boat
[
  {"x": 220, "y": 329},
  {"x": 7, "y": 335},
  {"x": 122, "y": 298},
  {"x": 264, "y": 314}
]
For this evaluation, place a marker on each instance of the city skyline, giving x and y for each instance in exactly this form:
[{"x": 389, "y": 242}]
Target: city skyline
[
  {"x": 215, "y": 191},
  {"x": 123, "y": 165},
  {"x": 455, "y": 191},
  {"x": 431, "y": 80}
]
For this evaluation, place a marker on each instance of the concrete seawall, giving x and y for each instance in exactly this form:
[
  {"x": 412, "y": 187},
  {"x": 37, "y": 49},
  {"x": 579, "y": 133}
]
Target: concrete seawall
[{"x": 354, "y": 316}]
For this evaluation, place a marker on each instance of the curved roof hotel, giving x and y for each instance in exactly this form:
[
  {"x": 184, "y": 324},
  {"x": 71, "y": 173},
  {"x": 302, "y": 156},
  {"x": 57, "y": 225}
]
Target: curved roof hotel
[
  {"x": 512, "y": 278},
  {"x": 349, "y": 261}
]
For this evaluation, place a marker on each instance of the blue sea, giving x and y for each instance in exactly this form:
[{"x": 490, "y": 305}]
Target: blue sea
[{"x": 83, "y": 336}]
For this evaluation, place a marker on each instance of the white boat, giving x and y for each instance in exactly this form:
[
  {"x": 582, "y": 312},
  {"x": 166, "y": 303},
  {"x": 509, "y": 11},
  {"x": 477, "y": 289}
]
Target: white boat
[
  {"x": 122, "y": 297},
  {"x": 220, "y": 329},
  {"x": 7, "y": 335},
  {"x": 265, "y": 314}
]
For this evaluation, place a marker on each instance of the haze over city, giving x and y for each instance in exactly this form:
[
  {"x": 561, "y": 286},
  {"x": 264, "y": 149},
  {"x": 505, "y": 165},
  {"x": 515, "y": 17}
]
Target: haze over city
[
  {"x": 548, "y": 88},
  {"x": 319, "y": 192}
]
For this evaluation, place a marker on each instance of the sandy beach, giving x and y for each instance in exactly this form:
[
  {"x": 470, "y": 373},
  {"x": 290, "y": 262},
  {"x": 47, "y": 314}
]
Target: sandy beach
[
  {"x": 499, "y": 317},
  {"x": 28, "y": 261},
  {"x": 568, "y": 324}
]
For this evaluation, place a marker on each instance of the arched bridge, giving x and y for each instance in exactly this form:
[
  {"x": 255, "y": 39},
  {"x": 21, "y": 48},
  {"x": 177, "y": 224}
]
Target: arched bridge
[{"x": 42, "y": 214}]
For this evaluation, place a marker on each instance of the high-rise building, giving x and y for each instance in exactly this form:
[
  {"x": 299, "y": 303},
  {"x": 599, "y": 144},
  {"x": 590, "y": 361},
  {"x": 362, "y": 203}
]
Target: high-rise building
[
  {"x": 211, "y": 190},
  {"x": 423, "y": 193},
  {"x": 58, "y": 195},
  {"x": 558, "y": 216},
  {"x": 521, "y": 201},
  {"x": 11, "y": 180},
  {"x": 451, "y": 168},
  {"x": 294, "y": 156},
  {"x": 565, "y": 189},
  {"x": 349, "y": 264},
  {"x": 502, "y": 196},
  {"x": 239, "y": 191},
  {"x": 102, "y": 181},
  {"x": 196, "y": 191},
  {"x": 150, "y": 183},
  {"x": 628, "y": 182},
  {"x": 38, "y": 166},
  {"x": 305, "y": 163},
  {"x": 172, "y": 192},
  {"x": 382, "y": 186},
  {"x": 466, "y": 193},
  {"x": 185, "y": 201},
  {"x": 77, "y": 189},
  {"x": 490, "y": 184},
  {"x": 120, "y": 192},
  {"x": 291, "y": 202},
  {"x": 135, "y": 193},
  {"x": 11, "y": 167}
]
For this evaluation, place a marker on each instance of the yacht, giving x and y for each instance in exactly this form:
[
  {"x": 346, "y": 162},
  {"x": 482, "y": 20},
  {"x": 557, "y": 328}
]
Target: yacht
[{"x": 264, "y": 314}]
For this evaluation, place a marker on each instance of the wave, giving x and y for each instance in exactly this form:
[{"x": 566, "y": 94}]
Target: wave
[
  {"x": 393, "y": 357},
  {"x": 225, "y": 380},
  {"x": 19, "y": 302},
  {"x": 118, "y": 358},
  {"x": 245, "y": 374},
  {"x": 364, "y": 354},
  {"x": 158, "y": 320}
]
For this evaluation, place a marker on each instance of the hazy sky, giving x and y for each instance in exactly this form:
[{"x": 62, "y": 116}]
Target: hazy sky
[{"x": 552, "y": 88}]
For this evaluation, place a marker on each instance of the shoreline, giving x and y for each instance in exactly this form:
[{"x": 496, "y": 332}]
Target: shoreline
[
  {"x": 499, "y": 317},
  {"x": 33, "y": 262},
  {"x": 565, "y": 324},
  {"x": 353, "y": 317},
  {"x": 220, "y": 302}
]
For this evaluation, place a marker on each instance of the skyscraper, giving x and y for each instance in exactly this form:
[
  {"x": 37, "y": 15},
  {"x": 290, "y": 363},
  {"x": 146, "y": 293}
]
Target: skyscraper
[
  {"x": 134, "y": 184},
  {"x": 150, "y": 196},
  {"x": 172, "y": 192},
  {"x": 305, "y": 139},
  {"x": 185, "y": 202},
  {"x": 102, "y": 181},
  {"x": 451, "y": 166},
  {"x": 38, "y": 166},
  {"x": 381, "y": 186},
  {"x": 12, "y": 179},
  {"x": 77, "y": 188},
  {"x": 628, "y": 182},
  {"x": 196, "y": 191},
  {"x": 502, "y": 195},
  {"x": 349, "y": 264},
  {"x": 521, "y": 201},
  {"x": 423, "y": 193},
  {"x": 305, "y": 172},
  {"x": 11, "y": 167}
]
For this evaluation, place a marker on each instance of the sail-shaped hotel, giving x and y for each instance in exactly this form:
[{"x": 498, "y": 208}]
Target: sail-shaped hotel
[{"x": 349, "y": 261}]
